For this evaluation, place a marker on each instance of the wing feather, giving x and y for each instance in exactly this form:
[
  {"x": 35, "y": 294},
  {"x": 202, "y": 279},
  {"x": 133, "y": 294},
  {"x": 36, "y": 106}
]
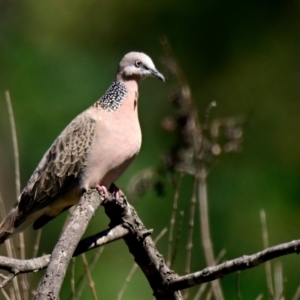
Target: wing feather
[{"x": 60, "y": 168}]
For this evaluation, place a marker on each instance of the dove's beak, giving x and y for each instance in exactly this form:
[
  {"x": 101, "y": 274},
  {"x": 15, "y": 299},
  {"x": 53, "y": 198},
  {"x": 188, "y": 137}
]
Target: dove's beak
[{"x": 158, "y": 75}]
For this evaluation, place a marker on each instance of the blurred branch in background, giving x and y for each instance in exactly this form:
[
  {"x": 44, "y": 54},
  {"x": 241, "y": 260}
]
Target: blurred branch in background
[
  {"x": 21, "y": 243},
  {"x": 198, "y": 145}
]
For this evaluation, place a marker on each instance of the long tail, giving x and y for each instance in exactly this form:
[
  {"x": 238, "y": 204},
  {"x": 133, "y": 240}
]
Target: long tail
[
  {"x": 4, "y": 236},
  {"x": 7, "y": 227}
]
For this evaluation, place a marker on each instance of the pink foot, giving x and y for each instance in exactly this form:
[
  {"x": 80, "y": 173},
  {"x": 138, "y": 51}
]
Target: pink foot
[
  {"x": 102, "y": 188},
  {"x": 114, "y": 189}
]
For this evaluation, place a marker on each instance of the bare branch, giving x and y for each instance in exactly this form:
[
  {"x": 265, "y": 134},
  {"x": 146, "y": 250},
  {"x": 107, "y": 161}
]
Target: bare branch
[
  {"x": 207, "y": 243},
  {"x": 7, "y": 279},
  {"x": 81, "y": 282},
  {"x": 89, "y": 277},
  {"x": 5, "y": 294},
  {"x": 203, "y": 286},
  {"x": 278, "y": 281},
  {"x": 172, "y": 221},
  {"x": 134, "y": 267},
  {"x": 15, "y": 142},
  {"x": 297, "y": 294},
  {"x": 231, "y": 266},
  {"x": 164, "y": 282},
  {"x": 268, "y": 267},
  {"x": 143, "y": 248},
  {"x": 21, "y": 245},
  {"x": 18, "y": 266},
  {"x": 50, "y": 285},
  {"x": 191, "y": 224},
  {"x": 102, "y": 238}
]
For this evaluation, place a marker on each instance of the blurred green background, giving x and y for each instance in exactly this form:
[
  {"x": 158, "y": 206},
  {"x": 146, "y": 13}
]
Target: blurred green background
[{"x": 58, "y": 57}]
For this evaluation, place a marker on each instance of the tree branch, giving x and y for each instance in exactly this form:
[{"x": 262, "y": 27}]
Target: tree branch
[
  {"x": 99, "y": 239},
  {"x": 231, "y": 266},
  {"x": 126, "y": 224},
  {"x": 19, "y": 266},
  {"x": 142, "y": 248},
  {"x": 63, "y": 252}
]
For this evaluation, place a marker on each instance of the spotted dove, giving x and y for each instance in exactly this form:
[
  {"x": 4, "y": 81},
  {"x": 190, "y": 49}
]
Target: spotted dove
[{"x": 92, "y": 152}]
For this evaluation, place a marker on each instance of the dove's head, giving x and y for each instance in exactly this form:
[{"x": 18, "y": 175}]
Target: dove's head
[{"x": 137, "y": 66}]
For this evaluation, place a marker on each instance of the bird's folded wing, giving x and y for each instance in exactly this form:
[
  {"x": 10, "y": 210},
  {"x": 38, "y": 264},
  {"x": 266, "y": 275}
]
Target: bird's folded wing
[{"x": 60, "y": 168}]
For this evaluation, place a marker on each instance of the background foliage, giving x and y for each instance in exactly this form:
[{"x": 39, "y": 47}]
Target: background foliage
[{"x": 58, "y": 57}]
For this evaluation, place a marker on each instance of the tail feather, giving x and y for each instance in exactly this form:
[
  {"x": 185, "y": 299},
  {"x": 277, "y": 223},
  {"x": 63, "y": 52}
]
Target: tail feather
[
  {"x": 7, "y": 227},
  {"x": 4, "y": 236}
]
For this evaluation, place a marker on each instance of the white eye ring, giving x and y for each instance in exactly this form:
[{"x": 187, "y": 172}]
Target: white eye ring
[{"x": 138, "y": 63}]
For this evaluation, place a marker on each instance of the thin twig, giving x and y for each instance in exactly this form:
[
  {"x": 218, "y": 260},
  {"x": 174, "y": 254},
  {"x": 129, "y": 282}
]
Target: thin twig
[
  {"x": 200, "y": 291},
  {"x": 25, "y": 286},
  {"x": 239, "y": 264},
  {"x": 21, "y": 244},
  {"x": 15, "y": 142},
  {"x": 160, "y": 235},
  {"x": 12, "y": 294},
  {"x": 17, "y": 165},
  {"x": 205, "y": 230},
  {"x": 268, "y": 266},
  {"x": 37, "y": 242},
  {"x": 5, "y": 294},
  {"x": 135, "y": 266},
  {"x": 189, "y": 245},
  {"x": 238, "y": 286},
  {"x": 204, "y": 219},
  {"x": 174, "y": 282},
  {"x": 9, "y": 249},
  {"x": 19, "y": 266},
  {"x": 127, "y": 280},
  {"x": 178, "y": 237},
  {"x": 89, "y": 277},
  {"x": 172, "y": 222},
  {"x": 2, "y": 208},
  {"x": 297, "y": 294},
  {"x": 278, "y": 281},
  {"x": 6, "y": 280},
  {"x": 209, "y": 294},
  {"x": 8, "y": 243},
  {"x": 204, "y": 128},
  {"x": 204, "y": 285},
  {"x": 82, "y": 280}
]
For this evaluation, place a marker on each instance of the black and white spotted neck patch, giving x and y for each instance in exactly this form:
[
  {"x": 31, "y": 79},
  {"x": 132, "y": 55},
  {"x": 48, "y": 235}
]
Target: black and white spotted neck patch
[{"x": 113, "y": 98}]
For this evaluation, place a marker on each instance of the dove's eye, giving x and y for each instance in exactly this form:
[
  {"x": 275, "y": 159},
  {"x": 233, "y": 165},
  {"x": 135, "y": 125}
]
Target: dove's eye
[{"x": 138, "y": 63}]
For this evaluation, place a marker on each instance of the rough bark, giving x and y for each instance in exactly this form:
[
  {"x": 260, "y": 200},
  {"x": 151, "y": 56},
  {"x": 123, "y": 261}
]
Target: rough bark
[{"x": 52, "y": 280}]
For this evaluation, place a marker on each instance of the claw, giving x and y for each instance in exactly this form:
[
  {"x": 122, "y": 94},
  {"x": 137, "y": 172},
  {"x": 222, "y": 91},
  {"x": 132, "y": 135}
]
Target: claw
[{"x": 102, "y": 188}]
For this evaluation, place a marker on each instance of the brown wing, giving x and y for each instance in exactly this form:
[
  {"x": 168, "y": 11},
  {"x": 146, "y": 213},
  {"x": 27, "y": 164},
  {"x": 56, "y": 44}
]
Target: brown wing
[{"x": 60, "y": 168}]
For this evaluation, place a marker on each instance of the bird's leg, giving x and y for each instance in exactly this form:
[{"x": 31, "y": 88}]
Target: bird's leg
[
  {"x": 102, "y": 188},
  {"x": 114, "y": 189}
]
